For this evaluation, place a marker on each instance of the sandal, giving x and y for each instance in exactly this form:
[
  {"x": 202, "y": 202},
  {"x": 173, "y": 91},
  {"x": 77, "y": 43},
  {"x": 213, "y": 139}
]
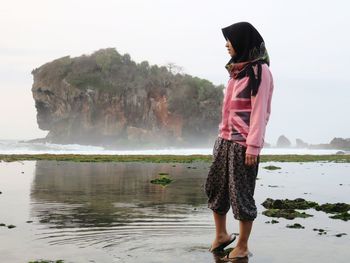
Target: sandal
[
  {"x": 226, "y": 258},
  {"x": 223, "y": 245}
]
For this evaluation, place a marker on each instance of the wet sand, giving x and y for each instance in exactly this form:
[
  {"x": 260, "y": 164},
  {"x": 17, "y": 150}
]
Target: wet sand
[{"x": 110, "y": 212}]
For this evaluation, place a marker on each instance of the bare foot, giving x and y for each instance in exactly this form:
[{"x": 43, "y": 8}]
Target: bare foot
[{"x": 222, "y": 239}]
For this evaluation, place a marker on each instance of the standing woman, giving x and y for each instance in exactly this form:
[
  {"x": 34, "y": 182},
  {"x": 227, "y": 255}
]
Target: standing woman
[{"x": 236, "y": 154}]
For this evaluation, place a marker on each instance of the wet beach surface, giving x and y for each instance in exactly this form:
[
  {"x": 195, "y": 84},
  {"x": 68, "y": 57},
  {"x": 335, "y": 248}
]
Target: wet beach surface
[{"x": 110, "y": 212}]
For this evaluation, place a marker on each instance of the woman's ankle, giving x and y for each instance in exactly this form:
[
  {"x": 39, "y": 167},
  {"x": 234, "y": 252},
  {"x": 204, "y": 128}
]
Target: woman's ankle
[
  {"x": 221, "y": 236},
  {"x": 242, "y": 245}
]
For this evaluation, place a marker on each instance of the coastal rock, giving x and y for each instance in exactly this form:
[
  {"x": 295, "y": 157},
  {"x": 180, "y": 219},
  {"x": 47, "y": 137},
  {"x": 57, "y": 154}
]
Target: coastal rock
[
  {"x": 333, "y": 208},
  {"x": 335, "y": 143},
  {"x": 345, "y": 216},
  {"x": 267, "y": 145},
  {"x": 340, "y": 234},
  {"x": 296, "y": 226},
  {"x": 340, "y": 152},
  {"x": 298, "y": 203},
  {"x": 107, "y": 99},
  {"x": 162, "y": 180},
  {"x": 340, "y": 143},
  {"x": 272, "y": 167},
  {"x": 283, "y": 142},
  {"x": 300, "y": 143},
  {"x": 285, "y": 213}
]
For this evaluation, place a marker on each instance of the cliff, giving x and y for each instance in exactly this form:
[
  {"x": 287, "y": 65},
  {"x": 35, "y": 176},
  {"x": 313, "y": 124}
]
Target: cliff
[{"x": 107, "y": 99}]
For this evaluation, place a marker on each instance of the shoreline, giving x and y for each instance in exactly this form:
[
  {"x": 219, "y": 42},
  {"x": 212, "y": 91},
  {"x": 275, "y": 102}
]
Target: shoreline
[{"x": 167, "y": 158}]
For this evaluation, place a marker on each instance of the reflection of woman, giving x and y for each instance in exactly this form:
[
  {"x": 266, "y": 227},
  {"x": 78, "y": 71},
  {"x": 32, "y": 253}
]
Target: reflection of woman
[{"x": 245, "y": 114}]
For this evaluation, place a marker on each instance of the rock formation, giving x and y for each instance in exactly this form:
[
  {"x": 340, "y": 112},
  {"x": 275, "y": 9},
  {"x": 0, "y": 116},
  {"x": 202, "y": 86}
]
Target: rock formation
[
  {"x": 107, "y": 99},
  {"x": 300, "y": 143},
  {"x": 335, "y": 143},
  {"x": 340, "y": 143},
  {"x": 283, "y": 141}
]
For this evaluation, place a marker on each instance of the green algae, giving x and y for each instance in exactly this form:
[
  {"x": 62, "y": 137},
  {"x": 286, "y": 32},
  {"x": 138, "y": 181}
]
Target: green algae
[
  {"x": 271, "y": 167},
  {"x": 298, "y": 203},
  {"x": 320, "y": 231},
  {"x": 273, "y": 221},
  {"x": 333, "y": 208},
  {"x": 345, "y": 216},
  {"x": 285, "y": 213},
  {"x": 339, "y": 209},
  {"x": 296, "y": 226},
  {"x": 283, "y": 207},
  {"x": 340, "y": 234},
  {"x": 168, "y": 158},
  {"x": 162, "y": 180}
]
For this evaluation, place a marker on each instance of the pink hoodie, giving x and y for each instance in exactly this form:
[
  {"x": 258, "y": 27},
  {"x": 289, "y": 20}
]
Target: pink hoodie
[{"x": 244, "y": 117}]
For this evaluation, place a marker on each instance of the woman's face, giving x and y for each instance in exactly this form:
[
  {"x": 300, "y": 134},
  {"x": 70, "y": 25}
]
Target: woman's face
[{"x": 230, "y": 48}]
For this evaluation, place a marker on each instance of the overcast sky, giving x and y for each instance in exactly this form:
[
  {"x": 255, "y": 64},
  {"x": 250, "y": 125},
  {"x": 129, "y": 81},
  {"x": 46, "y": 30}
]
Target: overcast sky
[{"x": 308, "y": 44}]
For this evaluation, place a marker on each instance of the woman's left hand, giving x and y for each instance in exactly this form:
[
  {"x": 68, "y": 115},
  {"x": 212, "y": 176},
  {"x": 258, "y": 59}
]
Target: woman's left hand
[{"x": 250, "y": 159}]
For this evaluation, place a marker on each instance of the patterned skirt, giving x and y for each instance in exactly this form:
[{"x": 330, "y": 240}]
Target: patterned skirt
[{"x": 230, "y": 182}]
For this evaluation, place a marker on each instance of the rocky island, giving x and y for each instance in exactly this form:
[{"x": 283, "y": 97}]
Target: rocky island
[
  {"x": 335, "y": 143},
  {"x": 109, "y": 100}
]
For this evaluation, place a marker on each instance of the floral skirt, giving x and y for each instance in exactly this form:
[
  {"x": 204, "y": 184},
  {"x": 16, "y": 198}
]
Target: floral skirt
[{"x": 230, "y": 182}]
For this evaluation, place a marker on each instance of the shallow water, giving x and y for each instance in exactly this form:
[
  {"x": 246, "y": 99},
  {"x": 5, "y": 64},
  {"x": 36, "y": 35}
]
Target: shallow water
[
  {"x": 109, "y": 212},
  {"x": 19, "y": 147}
]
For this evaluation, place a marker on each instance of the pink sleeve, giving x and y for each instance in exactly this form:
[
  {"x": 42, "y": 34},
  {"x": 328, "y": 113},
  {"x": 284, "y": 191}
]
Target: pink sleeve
[{"x": 261, "y": 108}]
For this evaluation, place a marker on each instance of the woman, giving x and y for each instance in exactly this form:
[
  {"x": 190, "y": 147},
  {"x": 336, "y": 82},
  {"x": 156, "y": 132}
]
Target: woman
[{"x": 236, "y": 154}]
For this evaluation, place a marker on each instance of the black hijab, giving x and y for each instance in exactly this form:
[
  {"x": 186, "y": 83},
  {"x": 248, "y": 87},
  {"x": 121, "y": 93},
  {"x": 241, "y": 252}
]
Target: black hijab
[{"x": 250, "y": 48}]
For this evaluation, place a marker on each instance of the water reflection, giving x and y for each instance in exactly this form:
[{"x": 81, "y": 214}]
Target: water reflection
[
  {"x": 115, "y": 207},
  {"x": 219, "y": 255},
  {"x": 236, "y": 260},
  {"x": 106, "y": 203}
]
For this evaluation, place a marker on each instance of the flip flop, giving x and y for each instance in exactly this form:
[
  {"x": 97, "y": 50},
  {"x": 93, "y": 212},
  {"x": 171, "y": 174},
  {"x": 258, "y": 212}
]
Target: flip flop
[
  {"x": 226, "y": 258},
  {"x": 223, "y": 245}
]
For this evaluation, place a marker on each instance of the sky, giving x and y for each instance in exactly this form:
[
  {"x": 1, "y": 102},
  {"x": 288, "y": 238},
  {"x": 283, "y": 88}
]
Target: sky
[{"x": 307, "y": 42}]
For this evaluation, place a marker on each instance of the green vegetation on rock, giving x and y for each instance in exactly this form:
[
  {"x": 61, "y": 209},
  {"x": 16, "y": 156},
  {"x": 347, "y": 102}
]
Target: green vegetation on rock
[
  {"x": 296, "y": 225},
  {"x": 333, "y": 208},
  {"x": 134, "y": 102},
  {"x": 298, "y": 203},
  {"x": 345, "y": 216},
  {"x": 285, "y": 213},
  {"x": 320, "y": 231},
  {"x": 273, "y": 221},
  {"x": 162, "y": 180},
  {"x": 340, "y": 234},
  {"x": 271, "y": 167},
  {"x": 339, "y": 209},
  {"x": 285, "y": 208}
]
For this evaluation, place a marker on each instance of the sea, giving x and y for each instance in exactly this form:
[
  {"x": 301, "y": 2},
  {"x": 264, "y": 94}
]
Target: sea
[{"x": 20, "y": 147}]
